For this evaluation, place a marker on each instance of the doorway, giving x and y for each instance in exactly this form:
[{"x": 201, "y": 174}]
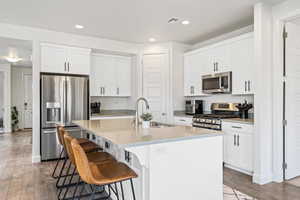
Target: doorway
[
  {"x": 291, "y": 91},
  {"x": 155, "y": 68},
  {"x": 16, "y": 90}
]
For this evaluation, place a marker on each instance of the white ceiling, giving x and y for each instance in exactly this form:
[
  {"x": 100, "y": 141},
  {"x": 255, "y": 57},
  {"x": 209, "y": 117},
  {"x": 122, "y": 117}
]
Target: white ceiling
[
  {"x": 16, "y": 48},
  {"x": 133, "y": 20}
]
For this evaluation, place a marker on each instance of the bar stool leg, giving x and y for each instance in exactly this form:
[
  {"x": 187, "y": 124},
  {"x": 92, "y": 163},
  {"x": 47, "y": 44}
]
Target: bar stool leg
[
  {"x": 76, "y": 187},
  {"x": 132, "y": 188},
  {"x": 58, "y": 161},
  {"x": 93, "y": 192},
  {"x": 70, "y": 181},
  {"x": 122, "y": 191},
  {"x": 61, "y": 171}
]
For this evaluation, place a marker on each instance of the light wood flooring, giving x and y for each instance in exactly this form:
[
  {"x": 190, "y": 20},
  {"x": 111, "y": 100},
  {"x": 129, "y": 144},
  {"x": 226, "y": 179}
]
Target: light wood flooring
[{"x": 22, "y": 180}]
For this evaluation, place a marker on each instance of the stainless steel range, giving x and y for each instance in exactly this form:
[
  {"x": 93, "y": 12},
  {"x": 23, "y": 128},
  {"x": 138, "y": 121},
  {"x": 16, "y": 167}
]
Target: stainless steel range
[{"x": 213, "y": 120}]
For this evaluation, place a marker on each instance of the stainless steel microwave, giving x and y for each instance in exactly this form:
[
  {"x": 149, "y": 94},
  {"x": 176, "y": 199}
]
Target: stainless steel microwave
[{"x": 217, "y": 83}]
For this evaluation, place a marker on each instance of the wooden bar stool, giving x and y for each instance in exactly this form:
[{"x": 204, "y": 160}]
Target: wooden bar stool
[
  {"x": 87, "y": 145},
  {"x": 102, "y": 175},
  {"x": 96, "y": 157}
]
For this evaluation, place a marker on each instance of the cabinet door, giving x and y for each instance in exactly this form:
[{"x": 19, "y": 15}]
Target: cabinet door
[
  {"x": 102, "y": 75},
  {"x": 96, "y": 76},
  {"x": 188, "y": 75},
  {"x": 245, "y": 151},
  {"x": 53, "y": 58},
  {"x": 242, "y": 63},
  {"x": 222, "y": 58},
  {"x": 79, "y": 61},
  {"x": 194, "y": 69},
  {"x": 123, "y": 75},
  {"x": 231, "y": 155}
]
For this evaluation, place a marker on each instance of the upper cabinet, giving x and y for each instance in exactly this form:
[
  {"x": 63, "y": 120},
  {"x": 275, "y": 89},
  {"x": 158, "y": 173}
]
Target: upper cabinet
[
  {"x": 195, "y": 66},
  {"x": 218, "y": 59},
  {"x": 110, "y": 75},
  {"x": 64, "y": 59},
  {"x": 236, "y": 55},
  {"x": 242, "y": 63}
]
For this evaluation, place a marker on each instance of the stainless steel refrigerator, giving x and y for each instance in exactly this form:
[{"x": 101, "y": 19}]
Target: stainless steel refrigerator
[{"x": 64, "y": 98}]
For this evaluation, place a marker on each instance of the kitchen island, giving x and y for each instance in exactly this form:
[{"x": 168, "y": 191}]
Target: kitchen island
[{"x": 173, "y": 162}]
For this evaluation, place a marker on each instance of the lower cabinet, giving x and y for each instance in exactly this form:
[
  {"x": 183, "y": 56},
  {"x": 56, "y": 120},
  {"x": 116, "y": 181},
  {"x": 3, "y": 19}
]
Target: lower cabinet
[
  {"x": 238, "y": 146},
  {"x": 183, "y": 121}
]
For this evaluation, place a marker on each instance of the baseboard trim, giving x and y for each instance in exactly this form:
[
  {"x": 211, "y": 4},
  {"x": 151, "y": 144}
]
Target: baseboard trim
[
  {"x": 239, "y": 170},
  {"x": 261, "y": 180},
  {"x": 36, "y": 159}
]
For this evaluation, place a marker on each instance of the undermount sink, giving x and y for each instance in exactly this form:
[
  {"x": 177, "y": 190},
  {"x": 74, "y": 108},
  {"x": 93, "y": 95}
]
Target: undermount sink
[{"x": 159, "y": 125}]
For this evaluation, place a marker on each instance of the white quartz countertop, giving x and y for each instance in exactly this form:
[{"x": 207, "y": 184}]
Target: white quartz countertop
[{"x": 123, "y": 132}]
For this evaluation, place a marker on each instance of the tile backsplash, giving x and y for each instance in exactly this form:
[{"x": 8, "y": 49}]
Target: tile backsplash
[
  {"x": 224, "y": 98},
  {"x": 114, "y": 103}
]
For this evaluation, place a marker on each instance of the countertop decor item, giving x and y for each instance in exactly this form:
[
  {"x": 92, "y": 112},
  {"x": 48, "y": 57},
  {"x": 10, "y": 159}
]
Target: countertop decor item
[
  {"x": 146, "y": 117},
  {"x": 243, "y": 109}
]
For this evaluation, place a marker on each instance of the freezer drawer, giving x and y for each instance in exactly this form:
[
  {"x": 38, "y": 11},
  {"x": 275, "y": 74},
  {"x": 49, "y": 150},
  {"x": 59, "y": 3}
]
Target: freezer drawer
[{"x": 50, "y": 145}]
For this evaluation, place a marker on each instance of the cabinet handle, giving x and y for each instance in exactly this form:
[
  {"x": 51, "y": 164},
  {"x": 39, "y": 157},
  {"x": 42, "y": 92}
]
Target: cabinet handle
[
  {"x": 65, "y": 65},
  {"x": 68, "y": 67},
  {"x": 214, "y": 66},
  {"x": 118, "y": 91},
  {"x": 234, "y": 140},
  {"x": 192, "y": 90},
  {"x": 249, "y": 86},
  {"x": 245, "y": 86},
  {"x": 104, "y": 90},
  {"x": 236, "y": 127},
  {"x": 217, "y": 66},
  {"x": 238, "y": 140},
  {"x": 182, "y": 120}
]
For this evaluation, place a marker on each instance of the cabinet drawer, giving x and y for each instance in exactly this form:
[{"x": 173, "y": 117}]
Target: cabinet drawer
[
  {"x": 237, "y": 127},
  {"x": 186, "y": 121}
]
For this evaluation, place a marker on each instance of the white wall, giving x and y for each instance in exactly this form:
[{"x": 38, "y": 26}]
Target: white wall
[
  {"x": 263, "y": 132},
  {"x": 17, "y": 90},
  {"x": 222, "y": 37}
]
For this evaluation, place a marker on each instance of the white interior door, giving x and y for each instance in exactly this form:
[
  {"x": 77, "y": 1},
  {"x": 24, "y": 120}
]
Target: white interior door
[
  {"x": 292, "y": 101},
  {"x": 154, "y": 84},
  {"x": 1, "y": 101},
  {"x": 27, "y": 101}
]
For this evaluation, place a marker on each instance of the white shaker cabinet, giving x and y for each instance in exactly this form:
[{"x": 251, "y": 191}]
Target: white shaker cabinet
[
  {"x": 123, "y": 75},
  {"x": 238, "y": 146},
  {"x": 218, "y": 59},
  {"x": 110, "y": 75},
  {"x": 242, "y": 63},
  {"x": 195, "y": 66},
  {"x": 64, "y": 59}
]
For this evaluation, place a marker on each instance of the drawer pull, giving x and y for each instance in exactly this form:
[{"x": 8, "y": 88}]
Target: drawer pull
[
  {"x": 236, "y": 127},
  {"x": 182, "y": 120}
]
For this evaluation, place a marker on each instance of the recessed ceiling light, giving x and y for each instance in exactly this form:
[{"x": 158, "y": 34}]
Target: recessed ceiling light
[
  {"x": 185, "y": 22},
  {"x": 78, "y": 26},
  {"x": 13, "y": 59},
  {"x": 152, "y": 39}
]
